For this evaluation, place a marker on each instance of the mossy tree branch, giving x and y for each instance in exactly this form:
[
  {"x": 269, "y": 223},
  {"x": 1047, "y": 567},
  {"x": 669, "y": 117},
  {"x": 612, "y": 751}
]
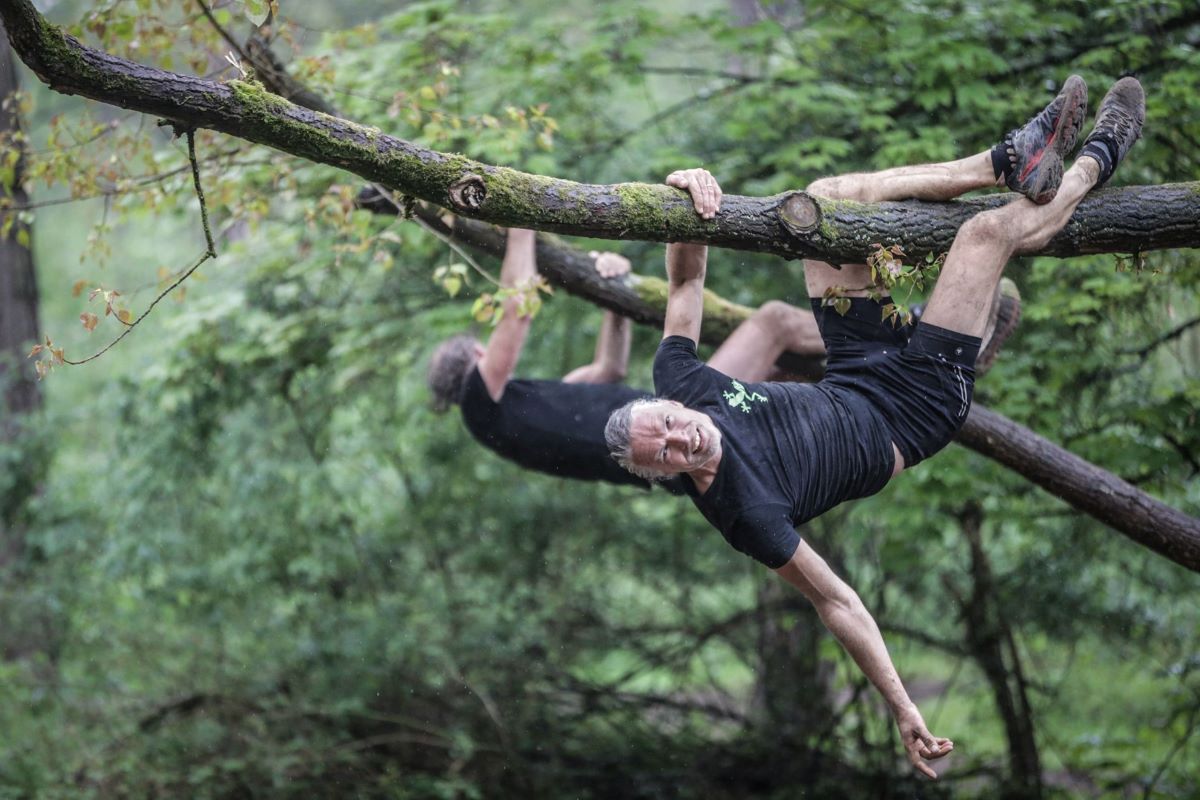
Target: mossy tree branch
[{"x": 792, "y": 224}]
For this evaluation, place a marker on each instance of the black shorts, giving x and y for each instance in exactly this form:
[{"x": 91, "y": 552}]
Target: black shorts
[{"x": 920, "y": 377}]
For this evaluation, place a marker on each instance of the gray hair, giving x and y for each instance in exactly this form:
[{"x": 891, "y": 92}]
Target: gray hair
[
  {"x": 618, "y": 435},
  {"x": 449, "y": 366}
]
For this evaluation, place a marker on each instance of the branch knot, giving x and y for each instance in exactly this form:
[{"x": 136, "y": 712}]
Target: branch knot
[
  {"x": 800, "y": 213},
  {"x": 469, "y": 192}
]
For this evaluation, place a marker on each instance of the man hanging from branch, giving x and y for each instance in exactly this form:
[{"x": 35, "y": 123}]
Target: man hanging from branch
[
  {"x": 557, "y": 427},
  {"x": 758, "y": 459}
]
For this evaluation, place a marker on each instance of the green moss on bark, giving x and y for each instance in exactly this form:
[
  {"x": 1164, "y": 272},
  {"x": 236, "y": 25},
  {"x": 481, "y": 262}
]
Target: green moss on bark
[{"x": 646, "y": 207}]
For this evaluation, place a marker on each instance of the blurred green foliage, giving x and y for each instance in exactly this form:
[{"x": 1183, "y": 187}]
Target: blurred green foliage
[{"x": 259, "y": 566}]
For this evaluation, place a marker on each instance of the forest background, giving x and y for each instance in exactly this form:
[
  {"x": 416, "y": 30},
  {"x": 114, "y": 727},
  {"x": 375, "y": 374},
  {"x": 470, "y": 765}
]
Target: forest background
[{"x": 242, "y": 558}]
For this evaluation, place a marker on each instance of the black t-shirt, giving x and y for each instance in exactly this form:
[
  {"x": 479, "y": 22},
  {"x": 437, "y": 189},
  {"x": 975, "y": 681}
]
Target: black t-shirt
[
  {"x": 789, "y": 451},
  {"x": 552, "y": 427}
]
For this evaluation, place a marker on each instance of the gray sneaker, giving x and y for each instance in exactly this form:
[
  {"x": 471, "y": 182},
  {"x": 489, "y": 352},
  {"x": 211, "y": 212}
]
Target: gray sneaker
[
  {"x": 1036, "y": 150},
  {"x": 1119, "y": 123}
]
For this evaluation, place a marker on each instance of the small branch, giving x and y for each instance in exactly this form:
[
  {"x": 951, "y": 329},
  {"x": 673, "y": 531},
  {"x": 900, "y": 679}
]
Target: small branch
[
  {"x": 434, "y": 226},
  {"x": 211, "y": 252},
  {"x": 687, "y": 103},
  {"x": 1192, "y": 724},
  {"x": 191, "y": 141},
  {"x": 1174, "y": 333},
  {"x": 138, "y": 182},
  {"x": 224, "y": 34},
  {"x": 700, "y": 72}
]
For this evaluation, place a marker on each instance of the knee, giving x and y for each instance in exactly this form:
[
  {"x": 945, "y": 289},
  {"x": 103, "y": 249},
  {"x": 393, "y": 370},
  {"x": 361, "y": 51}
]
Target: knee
[
  {"x": 988, "y": 226},
  {"x": 776, "y": 318},
  {"x": 785, "y": 325}
]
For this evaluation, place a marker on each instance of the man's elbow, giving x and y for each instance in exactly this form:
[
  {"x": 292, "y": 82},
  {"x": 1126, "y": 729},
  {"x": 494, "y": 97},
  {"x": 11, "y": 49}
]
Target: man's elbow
[{"x": 840, "y": 602}]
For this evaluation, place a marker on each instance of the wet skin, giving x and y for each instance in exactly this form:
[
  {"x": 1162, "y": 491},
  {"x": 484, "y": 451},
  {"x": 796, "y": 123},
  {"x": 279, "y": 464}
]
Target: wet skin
[{"x": 669, "y": 437}]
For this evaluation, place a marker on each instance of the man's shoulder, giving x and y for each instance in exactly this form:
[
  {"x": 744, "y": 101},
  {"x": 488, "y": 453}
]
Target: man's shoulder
[{"x": 679, "y": 374}]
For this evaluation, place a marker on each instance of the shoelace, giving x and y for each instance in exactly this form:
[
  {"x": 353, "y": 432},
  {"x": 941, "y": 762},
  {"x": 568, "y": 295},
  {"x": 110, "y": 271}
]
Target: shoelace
[{"x": 1119, "y": 124}]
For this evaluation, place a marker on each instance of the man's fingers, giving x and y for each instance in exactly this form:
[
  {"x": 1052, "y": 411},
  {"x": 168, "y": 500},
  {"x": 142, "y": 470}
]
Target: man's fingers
[
  {"x": 678, "y": 179},
  {"x": 914, "y": 756},
  {"x": 710, "y": 191},
  {"x": 918, "y": 757},
  {"x": 705, "y": 199},
  {"x": 703, "y": 187},
  {"x": 610, "y": 265},
  {"x": 945, "y": 748}
]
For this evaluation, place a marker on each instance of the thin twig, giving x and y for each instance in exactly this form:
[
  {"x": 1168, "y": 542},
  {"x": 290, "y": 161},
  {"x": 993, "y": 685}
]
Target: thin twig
[
  {"x": 603, "y": 148},
  {"x": 446, "y": 237},
  {"x": 1174, "y": 333},
  {"x": 211, "y": 252},
  {"x": 137, "y": 183},
  {"x": 191, "y": 140},
  {"x": 224, "y": 34}
]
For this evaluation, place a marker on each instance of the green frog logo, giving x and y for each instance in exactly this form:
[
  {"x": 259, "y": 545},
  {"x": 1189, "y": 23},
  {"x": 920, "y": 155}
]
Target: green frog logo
[{"x": 739, "y": 398}]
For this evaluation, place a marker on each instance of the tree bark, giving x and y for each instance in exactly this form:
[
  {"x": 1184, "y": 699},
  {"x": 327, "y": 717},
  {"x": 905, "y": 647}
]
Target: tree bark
[{"x": 792, "y": 224}]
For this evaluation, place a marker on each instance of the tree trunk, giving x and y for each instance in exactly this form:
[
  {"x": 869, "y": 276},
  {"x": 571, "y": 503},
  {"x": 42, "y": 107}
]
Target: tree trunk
[
  {"x": 19, "y": 394},
  {"x": 27, "y": 626},
  {"x": 18, "y": 283},
  {"x": 793, "y": 692},
  {"x": 990, "y": 643},
  {"x": 792, "y": 224}
]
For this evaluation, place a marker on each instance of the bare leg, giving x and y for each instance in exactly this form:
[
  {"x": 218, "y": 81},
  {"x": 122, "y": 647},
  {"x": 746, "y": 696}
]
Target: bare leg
[
  {"x": 924, "y": 182},
  {"x": 962, "y": 298},
  {"x": 750, "y": 351}
]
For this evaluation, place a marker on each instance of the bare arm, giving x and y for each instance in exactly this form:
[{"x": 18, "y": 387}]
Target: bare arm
[
  {"x": 504, "y": 347},
  {"x": 686, "y": 262},
  {"x": 848, "y": 619},
  {"x": 611, "y": 361}
]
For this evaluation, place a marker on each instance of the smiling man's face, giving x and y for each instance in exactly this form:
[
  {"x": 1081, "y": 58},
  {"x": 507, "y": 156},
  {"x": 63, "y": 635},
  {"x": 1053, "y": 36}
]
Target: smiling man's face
[{"x": 669, "y": 437}]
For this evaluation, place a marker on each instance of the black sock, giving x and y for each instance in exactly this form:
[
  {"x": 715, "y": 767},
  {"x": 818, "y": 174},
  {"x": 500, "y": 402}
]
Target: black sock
[
  {"x": 1104, "y": 150},
  {"x": 1001, "y": 159}
]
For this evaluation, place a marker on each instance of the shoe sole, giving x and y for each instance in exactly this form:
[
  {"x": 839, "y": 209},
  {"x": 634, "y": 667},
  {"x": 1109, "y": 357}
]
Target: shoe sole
[
  {"x": 1008, "y": 316},
  {"x": 1061, "y": 142}
]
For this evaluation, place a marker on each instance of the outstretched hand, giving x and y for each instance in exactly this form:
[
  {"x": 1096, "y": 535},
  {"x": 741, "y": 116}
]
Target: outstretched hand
[
  {"x": 699, "y": 182},
  {"x": 919, "y": 743},
  {"x": 610, "y": 265}
]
